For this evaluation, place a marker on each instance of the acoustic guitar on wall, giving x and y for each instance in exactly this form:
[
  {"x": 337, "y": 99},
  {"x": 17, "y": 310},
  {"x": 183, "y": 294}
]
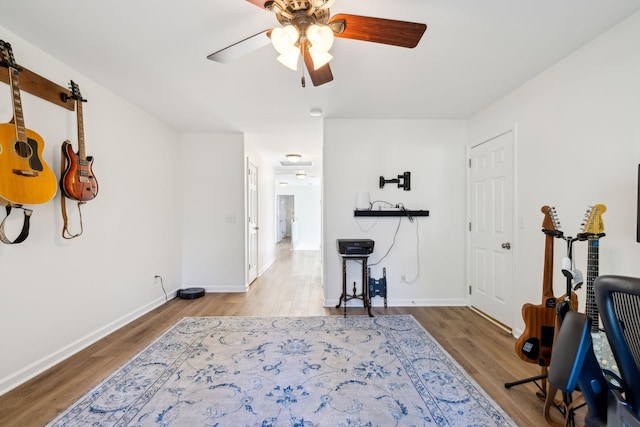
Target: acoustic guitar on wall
[
  {"x": 25, "y": 178},
  {"x": 536, "y": 342},
  {"x": 78, "y": 181}
]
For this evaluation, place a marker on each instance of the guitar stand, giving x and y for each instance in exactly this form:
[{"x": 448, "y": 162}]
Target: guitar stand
[
  {"x": 534, "y": 380},
  {"x": 564, "y": 406}
]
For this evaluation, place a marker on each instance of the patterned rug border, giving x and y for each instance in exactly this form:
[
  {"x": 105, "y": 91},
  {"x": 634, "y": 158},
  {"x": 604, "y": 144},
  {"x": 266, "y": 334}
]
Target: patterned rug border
[{"x": 470, "y": 384}]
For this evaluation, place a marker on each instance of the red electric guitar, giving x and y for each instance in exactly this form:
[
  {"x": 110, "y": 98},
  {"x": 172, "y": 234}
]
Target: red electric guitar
[{"x": 78, "y": 181}]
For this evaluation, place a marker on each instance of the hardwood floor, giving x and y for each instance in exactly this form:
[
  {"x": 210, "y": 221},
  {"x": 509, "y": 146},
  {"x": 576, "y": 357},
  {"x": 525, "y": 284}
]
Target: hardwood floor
[{"x": 291, "y": 287}]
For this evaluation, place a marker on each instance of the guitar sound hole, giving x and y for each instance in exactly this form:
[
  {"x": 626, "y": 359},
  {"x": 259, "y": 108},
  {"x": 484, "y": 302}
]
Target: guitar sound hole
[{"x": 23, "y": 149}]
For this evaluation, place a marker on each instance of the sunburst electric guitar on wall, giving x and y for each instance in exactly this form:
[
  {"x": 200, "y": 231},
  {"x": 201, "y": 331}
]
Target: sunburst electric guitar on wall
[
  {"x": 25, "y": 178},
  {"x": 536, "y": 342},
  {"x": 78, "y": 181}
]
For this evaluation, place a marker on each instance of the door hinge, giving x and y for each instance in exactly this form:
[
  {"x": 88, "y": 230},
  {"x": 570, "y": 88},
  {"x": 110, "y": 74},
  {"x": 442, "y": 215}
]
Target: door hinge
[
  {"x": 469, "y": 226},
  {"x": 469, "y": 163},
  {"x": 469, "y": 289}
]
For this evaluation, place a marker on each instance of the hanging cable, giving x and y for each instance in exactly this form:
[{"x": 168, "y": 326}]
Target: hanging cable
[
  {"x": 392, "y": 243},
  {"x": 417, "y": 255}
]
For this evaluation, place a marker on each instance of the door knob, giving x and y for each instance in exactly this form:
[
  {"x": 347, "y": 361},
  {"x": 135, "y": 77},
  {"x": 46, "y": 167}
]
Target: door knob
[{"x": 506, "y": 245}]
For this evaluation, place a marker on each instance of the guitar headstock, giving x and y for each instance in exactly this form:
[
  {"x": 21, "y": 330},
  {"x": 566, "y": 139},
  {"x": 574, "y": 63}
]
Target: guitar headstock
[
  {"x": 550, "y": 223},
  {"x": 593, "y": 223},
  {"x": 75, "y": 91},
  {"x": 6, "y": 56}
]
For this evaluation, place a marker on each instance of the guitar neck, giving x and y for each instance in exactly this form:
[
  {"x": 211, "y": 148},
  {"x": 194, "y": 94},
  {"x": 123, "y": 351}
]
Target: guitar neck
[
  {"x": 81, "y": 150},
  {"x": 547, "y": 276},
  {"x": 592, "y": 273},
  {"x": 18, "y": 117}
]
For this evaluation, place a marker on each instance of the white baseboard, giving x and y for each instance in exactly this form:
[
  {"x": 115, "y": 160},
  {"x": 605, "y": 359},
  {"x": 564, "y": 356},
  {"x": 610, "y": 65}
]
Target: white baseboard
[
  {"x": 29, "y": 372},
  {"x": 267, "y": 266}
]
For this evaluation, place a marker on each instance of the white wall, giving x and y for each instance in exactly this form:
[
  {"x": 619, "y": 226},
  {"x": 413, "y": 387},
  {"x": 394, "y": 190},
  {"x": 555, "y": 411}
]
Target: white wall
[
  {"x": 56, "y": 295},
  {"x": 578, "y": 144},
  {"x": 213, "y": 203},
  {"x": 356, "y": 154},
  {"x": 308, "y": 215}
]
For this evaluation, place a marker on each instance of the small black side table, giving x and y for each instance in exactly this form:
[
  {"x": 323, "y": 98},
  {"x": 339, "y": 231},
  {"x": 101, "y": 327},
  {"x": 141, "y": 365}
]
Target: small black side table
[{"x": 364, "y": 296}]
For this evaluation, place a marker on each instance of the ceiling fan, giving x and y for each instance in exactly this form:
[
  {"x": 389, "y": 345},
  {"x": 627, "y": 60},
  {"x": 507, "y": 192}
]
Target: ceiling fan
[{"x": 308, "y": 30}]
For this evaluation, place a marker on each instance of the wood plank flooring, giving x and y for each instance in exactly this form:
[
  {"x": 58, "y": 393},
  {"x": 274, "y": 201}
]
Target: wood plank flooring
[{"x": 291, "y": 287}]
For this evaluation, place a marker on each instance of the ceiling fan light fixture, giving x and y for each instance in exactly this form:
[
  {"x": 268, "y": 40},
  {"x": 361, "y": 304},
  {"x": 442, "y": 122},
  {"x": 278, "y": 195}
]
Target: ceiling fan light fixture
[
  {"x": 284, "y": 39},
  {"x": 290, "y": 60},
  {"x": 320, "y": 36},
  {"x": 319, "y": 58}
]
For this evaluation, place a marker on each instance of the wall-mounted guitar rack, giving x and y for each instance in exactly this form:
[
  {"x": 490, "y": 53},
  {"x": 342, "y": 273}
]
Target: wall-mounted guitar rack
[{"x": 42, "y": 88}]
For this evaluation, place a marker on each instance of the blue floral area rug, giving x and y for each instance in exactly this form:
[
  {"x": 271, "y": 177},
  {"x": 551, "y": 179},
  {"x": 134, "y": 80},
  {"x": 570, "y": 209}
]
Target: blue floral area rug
[{"x": 304, "y": 371}]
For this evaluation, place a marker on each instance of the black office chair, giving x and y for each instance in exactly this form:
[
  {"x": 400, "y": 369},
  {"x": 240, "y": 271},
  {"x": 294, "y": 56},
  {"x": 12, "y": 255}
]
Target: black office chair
[
  {"x": 574, "y": 364},
  {"x": 618, "y": 300}
]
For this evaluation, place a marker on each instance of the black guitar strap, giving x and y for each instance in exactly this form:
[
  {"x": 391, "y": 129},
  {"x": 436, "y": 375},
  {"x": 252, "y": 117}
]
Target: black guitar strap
[{"x": 25, "y": 225}]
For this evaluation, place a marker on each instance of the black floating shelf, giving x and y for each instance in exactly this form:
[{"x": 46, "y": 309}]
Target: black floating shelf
[{"x": 391, "y": 213}]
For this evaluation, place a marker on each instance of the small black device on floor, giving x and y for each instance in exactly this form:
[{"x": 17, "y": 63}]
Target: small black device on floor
[{"x": 190, "y": 293}]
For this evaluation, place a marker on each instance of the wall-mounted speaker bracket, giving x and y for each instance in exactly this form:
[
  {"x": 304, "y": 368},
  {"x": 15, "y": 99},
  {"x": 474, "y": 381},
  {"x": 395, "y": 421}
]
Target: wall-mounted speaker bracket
[{"x": 403, "y": 181}]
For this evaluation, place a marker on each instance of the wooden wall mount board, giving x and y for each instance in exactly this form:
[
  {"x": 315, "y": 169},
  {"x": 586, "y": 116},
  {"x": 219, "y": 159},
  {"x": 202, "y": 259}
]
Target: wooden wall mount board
[{"x": 42, "y": 88}]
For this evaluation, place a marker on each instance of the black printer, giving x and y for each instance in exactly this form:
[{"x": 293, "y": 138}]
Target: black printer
[{"x": 355, "y": 246}]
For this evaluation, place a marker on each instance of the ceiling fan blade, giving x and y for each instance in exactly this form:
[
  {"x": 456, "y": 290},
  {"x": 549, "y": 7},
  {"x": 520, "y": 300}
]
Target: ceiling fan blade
[
  {"x": 320, "y": 76},
  {"x": 259, "y": 3},
  {"x": 241, "y": 48},
  {"x": 378, "y": 30}
]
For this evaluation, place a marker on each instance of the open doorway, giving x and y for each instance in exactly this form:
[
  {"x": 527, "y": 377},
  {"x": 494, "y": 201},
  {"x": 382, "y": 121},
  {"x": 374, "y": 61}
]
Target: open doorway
[
  {"x": 298, "y": 216},
  {"x": 285, "y": 217}
]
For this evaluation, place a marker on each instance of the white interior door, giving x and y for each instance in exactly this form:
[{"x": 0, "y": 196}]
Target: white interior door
[
  {"x": 492, "y": 228},
  {"x": 252, "y": 222}
]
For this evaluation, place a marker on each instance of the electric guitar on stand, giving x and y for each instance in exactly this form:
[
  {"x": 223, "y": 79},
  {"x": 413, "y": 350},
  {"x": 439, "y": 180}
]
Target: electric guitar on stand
[
  {"x": 78, "y": 181},
  {"x": 25, "y": 178},
  {"x": 536, "y": 341},
  {"x": 593, "y": 231}
]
